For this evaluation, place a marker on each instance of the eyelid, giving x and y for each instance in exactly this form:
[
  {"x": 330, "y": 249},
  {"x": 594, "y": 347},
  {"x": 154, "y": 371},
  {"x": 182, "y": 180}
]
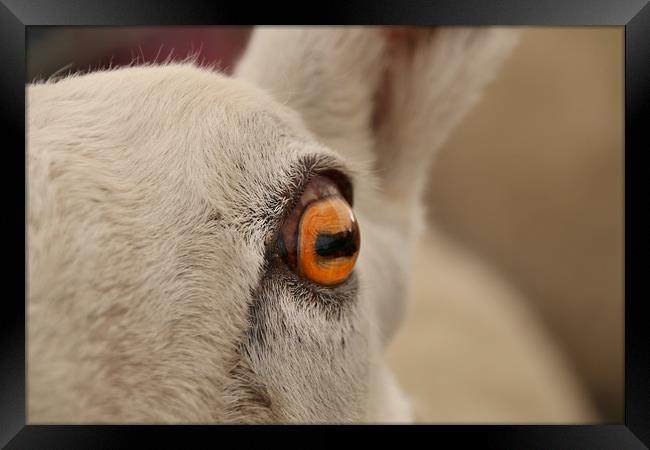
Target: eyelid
[
  {"x": 303, "y": 172},
  {"x": 343, "y": 183}
]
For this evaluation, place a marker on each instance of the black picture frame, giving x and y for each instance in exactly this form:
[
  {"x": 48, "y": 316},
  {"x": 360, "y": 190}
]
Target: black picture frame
[{"x": 633, "y": 15}]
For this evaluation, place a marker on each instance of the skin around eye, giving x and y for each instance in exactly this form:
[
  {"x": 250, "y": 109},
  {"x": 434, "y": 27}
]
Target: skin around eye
[{"x": 320, "y": 240}]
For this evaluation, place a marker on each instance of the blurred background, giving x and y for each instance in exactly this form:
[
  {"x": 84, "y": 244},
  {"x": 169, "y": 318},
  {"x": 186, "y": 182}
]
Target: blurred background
[{"x": 517, "y": 310}]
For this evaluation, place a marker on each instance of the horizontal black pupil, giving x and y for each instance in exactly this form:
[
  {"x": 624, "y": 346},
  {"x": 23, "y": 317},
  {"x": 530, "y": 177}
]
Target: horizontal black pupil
[{"x": 336, "y": 245}]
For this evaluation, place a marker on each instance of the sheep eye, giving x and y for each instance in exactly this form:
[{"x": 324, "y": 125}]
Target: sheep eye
[{"x": 320, "y": 239}]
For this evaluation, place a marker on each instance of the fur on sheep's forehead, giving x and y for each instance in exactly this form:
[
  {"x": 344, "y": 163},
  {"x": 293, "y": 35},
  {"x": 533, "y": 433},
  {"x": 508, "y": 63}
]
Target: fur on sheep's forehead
[
  {"x": 167, "y": 184},
  {"x": 216, "y": 142}
]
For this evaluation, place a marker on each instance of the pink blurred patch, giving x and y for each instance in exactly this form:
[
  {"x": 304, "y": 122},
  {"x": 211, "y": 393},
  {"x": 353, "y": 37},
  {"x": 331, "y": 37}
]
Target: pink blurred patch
[{"x": 221, "y": 46}]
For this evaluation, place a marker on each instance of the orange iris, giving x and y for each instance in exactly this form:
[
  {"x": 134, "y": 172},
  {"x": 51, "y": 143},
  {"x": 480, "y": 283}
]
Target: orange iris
[
  {"x": 328, "y": 242},
  {"x": 320, "y": 239}
]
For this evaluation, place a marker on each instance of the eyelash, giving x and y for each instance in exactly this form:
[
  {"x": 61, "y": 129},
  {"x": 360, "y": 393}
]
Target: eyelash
[{"x": 303, "y": 173}]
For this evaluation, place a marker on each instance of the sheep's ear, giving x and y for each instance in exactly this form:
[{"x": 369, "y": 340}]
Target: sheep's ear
[
  {"x": 433, "y": 76},
  {"x": 388, "y": 95},
  {"x": 328, "y": 74}
]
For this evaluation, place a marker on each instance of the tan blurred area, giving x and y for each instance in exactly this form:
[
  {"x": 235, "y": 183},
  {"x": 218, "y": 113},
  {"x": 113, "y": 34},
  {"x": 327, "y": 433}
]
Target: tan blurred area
[{"x": 524, "y": 320}]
